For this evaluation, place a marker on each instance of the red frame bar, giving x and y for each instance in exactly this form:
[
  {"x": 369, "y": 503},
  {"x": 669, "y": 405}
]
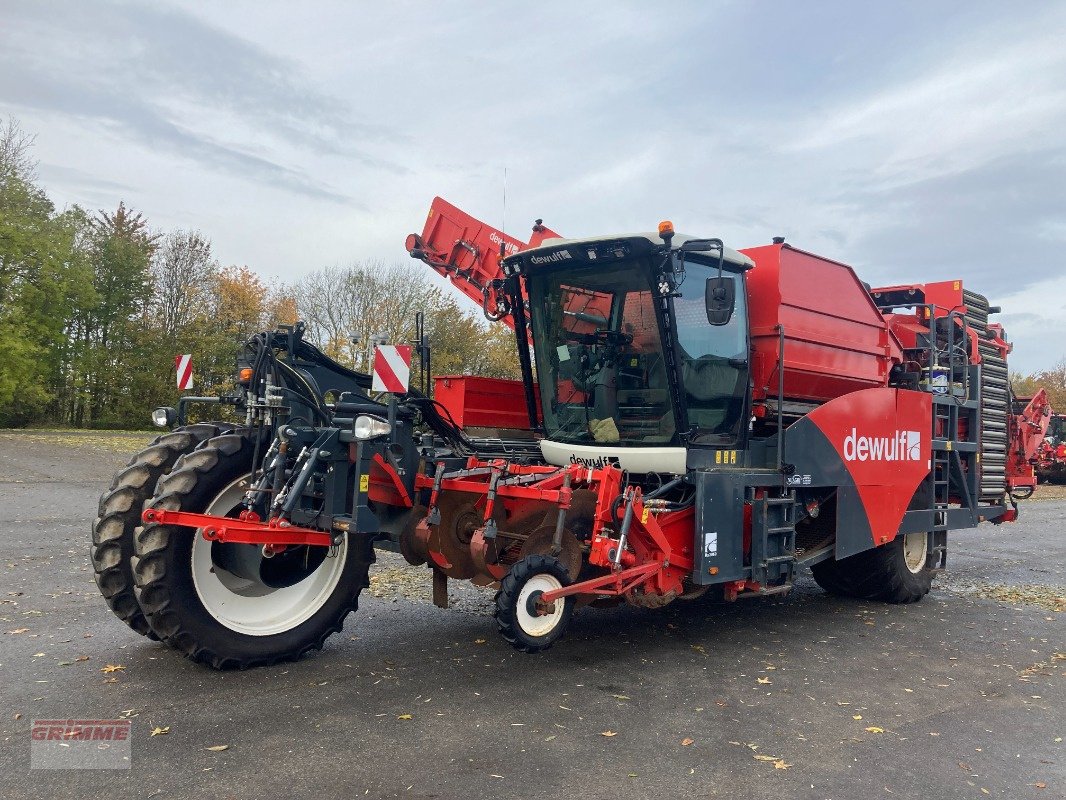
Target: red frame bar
[{"x": 239, "y": 531}]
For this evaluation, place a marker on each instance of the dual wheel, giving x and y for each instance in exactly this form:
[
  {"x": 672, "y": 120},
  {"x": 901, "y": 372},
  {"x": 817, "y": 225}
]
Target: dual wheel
[{"x": 226, "y": 605}]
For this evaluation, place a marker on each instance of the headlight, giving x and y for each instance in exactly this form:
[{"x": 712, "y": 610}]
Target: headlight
[
  {"x": 367, "y": 427},
  {"x": 164, "y": 417}
]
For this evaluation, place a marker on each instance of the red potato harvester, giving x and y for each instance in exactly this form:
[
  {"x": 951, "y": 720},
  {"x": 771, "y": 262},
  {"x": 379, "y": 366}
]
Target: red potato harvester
[{"x": 691, "y": 418}]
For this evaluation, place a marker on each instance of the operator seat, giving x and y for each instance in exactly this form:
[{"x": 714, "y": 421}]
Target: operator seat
[{"x": 710, "y": 388}]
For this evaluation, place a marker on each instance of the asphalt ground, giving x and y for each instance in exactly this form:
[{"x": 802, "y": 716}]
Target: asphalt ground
[{"x": 959, "y": 696}]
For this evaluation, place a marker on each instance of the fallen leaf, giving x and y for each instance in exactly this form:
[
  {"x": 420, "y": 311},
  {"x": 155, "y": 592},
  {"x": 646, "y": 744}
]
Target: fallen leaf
[
  {"x": 964, "y": 766},
  {"x": 699, "y": 648},
  {"x": 760, "y": 757},
  {"x": 18, "y": 717},
  {"x": 82, "y": 658},
  {"x": 1040, "y": 785},
  {"x": 112, "y": 668},
  {"x": 550, "y": 738},
  {"x": 161, "y": 731},
  {"x": 19, "y": 630},
  {"x": 38, "y": 655},
  {"x": 621, "y": 697},
  {"x": 218, "y": 748},
  {"x": 762, "y": 680},
  {"x": 686, "y": 742},
  {"x": 780, "y": 764},
  {"x": 405, "y": 716},
  {"x": 857, "y": 716},
  {"x": 608, "y": 734},
  {"x": 875, "y": 729},
  {"x": 479, "y": 641},
  {"x": 632, "y": 775}
]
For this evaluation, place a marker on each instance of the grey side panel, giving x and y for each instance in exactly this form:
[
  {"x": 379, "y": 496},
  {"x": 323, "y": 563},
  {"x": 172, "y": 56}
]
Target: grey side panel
[
  {"x": 719, "y": 526},
  {"x": 817, "y": 463}
]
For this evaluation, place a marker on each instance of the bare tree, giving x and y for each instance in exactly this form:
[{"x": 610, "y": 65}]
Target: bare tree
[
  {"x": 15, "y": 159},
  {"x": 345, "y": 306},
  {"x": 183, "y": 273}
]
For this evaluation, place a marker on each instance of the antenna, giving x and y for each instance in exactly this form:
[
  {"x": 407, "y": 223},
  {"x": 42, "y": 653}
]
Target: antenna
[{"x": 504, "y": 228}]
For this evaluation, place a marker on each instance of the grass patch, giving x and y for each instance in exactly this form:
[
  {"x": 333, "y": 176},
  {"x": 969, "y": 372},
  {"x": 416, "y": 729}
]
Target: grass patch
[{"x": 125, "y": 442}]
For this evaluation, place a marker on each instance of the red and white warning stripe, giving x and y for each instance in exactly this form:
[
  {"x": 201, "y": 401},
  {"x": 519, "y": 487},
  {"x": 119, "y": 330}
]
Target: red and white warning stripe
[
  {"x": 183, "y": 366},
  {"x": 392, "y": 368}
]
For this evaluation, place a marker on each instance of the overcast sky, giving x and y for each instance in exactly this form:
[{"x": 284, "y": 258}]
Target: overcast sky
[{"x": 914, "y": 140}]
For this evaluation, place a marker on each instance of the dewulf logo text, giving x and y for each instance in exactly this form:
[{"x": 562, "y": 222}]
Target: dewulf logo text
[
  {"x": 901, "y": 446},
  {"x": 509, "y": 247},
  {"x": 595, "y": 463},
  {"x": 559, "y": 255}
]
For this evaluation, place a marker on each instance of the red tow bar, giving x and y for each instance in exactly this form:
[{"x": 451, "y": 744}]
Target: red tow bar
[{"x": 248, "y": 529}]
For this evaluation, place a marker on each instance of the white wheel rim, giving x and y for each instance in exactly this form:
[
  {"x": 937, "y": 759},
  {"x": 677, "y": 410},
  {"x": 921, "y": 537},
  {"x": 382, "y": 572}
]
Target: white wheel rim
[
  {"x": 250, "y": 607},
  {"x": 539, "y": 625},
  {"x": 915, "y": 551}
]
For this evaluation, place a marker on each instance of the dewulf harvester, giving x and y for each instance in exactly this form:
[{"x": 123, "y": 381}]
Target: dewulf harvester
[{"x": 690, "y": 418}]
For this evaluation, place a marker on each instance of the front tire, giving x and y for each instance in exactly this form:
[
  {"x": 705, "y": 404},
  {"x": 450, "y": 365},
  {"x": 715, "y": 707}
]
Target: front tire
[
  {"x": 224, "y": 604},
  {"x": 119, "y": 516},
  {"x": 898, "y": 572}
]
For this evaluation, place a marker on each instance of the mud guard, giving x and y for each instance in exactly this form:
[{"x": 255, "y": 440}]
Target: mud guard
[{"x": 874, "y": 446}]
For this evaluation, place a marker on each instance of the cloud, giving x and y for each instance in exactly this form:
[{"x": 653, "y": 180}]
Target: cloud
[
  {"x": 917, "y": 141},
  {"x": 166, "y": 79}
]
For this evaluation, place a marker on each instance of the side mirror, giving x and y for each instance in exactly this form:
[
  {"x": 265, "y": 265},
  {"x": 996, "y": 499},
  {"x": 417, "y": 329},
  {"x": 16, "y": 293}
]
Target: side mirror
[
  {"x": 700, "y": 245},
  {"x": 720, "y": 298}
]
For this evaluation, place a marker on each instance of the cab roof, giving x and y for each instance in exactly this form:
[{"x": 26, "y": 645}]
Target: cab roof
[{"x": 731, "y": 255}]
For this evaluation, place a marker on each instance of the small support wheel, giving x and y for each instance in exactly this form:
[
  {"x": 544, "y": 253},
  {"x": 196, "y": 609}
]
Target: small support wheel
[{"x": 524, "y": 619}]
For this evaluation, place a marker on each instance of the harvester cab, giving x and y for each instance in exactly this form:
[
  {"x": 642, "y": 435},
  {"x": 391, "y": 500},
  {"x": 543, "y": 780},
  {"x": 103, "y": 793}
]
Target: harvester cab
[{"x": 630, "y": 368}]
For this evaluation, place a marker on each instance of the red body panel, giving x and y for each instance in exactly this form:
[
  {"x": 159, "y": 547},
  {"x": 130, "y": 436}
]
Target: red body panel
[
  {"x": 836, "y": 340},
  {"x": 483, "y": 402},
  {"x": 882, "y": 438},
  {"x": 467, "y": 251}
]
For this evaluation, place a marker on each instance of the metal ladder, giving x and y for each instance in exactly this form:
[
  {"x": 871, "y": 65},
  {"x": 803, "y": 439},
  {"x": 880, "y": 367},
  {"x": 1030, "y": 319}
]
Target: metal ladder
[
  {"x": 943, "y": 428},
  {"x": 773, "y": 538}
]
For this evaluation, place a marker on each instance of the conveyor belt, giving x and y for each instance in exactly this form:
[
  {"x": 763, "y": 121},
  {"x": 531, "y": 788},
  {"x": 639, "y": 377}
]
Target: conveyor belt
[{"x": 995, "y": 400}]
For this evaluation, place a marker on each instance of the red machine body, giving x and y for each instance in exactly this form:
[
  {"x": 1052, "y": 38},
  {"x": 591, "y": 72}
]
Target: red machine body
[
  {"x": 467, "y": 251},
  {"x": 836, "y": 340},
  {"x": 476, "y": 402}
]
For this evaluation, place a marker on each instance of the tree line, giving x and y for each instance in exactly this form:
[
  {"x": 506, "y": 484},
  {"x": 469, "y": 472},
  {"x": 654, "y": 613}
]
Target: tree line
[{"x": 94, "y": 306}]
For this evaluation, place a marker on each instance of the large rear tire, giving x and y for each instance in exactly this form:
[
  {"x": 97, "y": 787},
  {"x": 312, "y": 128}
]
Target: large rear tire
[
  {"x": 898, "y": 572},
  {"x": 119, "y": 516},
  {"x": 226, "y": 605}
]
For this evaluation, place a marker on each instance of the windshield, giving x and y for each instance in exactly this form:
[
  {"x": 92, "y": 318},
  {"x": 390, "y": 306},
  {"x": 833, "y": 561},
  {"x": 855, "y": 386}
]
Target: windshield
[
  {"x": 599, "y": 356},
  {"x": 600, "y": 359},
  {"x": 714, "y": 358}
]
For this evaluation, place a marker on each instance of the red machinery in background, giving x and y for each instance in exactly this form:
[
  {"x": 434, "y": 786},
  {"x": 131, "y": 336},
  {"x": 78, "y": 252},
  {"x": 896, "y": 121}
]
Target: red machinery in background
[
  {"x": 1050, "y": 460},
  {"x": 1029, "y": 424}
]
